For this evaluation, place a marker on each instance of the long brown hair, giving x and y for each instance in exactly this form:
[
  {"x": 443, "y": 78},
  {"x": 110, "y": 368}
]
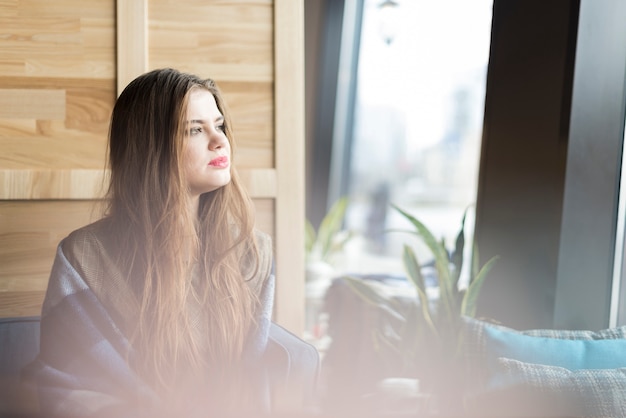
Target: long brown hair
[{"x": 163, "y": 242}]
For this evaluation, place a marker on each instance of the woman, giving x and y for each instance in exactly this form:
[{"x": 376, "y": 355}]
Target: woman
[{"x": 164, "y": 305}]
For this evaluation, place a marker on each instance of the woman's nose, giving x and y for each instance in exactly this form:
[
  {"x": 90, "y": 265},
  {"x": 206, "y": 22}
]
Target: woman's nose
[{"x": 217, "y": 140}]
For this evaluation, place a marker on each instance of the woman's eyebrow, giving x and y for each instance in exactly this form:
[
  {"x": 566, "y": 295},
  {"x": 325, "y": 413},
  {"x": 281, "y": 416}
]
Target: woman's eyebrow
[{"x": 203, "y": 121}]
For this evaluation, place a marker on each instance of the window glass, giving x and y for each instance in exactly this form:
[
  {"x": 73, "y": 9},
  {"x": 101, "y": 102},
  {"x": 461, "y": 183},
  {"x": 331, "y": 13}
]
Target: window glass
[
  {"x": 415, "y": 143},
  {"x": 418, "y": 123}
]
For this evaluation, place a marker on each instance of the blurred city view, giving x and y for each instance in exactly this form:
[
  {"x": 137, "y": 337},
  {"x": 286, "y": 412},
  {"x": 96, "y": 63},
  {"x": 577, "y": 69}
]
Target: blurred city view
[{"x": 418, "y": 125}]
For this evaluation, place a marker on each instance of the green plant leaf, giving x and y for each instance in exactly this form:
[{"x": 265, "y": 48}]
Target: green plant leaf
[
  {"x": 468, "y": 306},
  {"x": 415, "y": 275},
  {"x": 309, "y": 236},
  {"x": 378, "y": 337},
  {"x": 412, "y": 327},
  {"x": 413, "y": 268},
  {"x": 442, "y": 263},
  {"x": 457, "y": 256},
  {"x": 427, "y": 236},
  {"x": 374, "y": 297},
  {"x": 340, "y": 240},
  {"x": 330, "y": 226},
  {"x": 475, "y": 267}
]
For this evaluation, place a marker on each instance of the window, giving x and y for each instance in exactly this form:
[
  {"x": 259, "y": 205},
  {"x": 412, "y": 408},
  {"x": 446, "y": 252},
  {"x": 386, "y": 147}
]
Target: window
[
  {"x": 417, "y": 123},
  {"x": 407, "y": 127}
]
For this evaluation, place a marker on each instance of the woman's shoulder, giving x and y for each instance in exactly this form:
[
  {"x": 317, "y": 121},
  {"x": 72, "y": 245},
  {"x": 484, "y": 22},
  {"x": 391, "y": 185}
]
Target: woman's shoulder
[
  {"x": 86, "y": 250},
  {"x": 264, "y": 240},
  {"x": 85, "y": 239},
  {"x": 266, "y": 250},
  {"x": 265, "y": 259},
  {"x": 92, "y": 251}
]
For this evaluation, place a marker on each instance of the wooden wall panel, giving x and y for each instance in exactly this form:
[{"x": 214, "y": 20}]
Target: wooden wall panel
[
  {"x": 52, "y": 184},
  {"x": 57, "y": 89},
  {"x": 32, "y": 104},
  {"x": 289, "y": 155},
  {"x": 89, "y": 184},
  {"x": 231, "y": 42},
  {"x": 252, "y": 108},
  {"x": 21, "y": 303},
  {"x": 59, "y": 57},
  {"x": 60, "y": 63},
  {"x": 132, "y": 37},
  {"x": 29, "y": 234},
  {"x": 265, "y": 209}
]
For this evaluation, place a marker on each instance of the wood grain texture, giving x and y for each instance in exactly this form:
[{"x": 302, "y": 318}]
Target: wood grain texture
[
  {"x": 92, "y": 184},
  {"x": 32, "y": 104},
  {"x": 251, "y": 106},
  {"x": 265, "y": 209},
  {"x": 48, "y": 158},
  {"x": 61, "y": 39},
  {"x": 289, "y": 122},
  {"x": 260, "y": 183},
  {"x": 59, "y": 57},
  {"x": 132, "y": 40},
  {"x": 58, "y": 80},
  {"x": 52, "y": 184},
  {"x": 231, "y": 42},
  {"x": 29, "y": 234},
  {"x": 14, "y": 304}
]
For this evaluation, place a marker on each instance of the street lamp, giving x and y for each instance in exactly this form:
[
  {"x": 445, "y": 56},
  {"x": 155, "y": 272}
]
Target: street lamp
[{"x": 388, "y": 20}]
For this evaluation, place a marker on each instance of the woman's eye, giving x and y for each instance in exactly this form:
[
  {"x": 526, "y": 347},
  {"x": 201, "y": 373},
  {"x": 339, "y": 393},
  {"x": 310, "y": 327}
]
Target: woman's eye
[
  {"x": 221, "y": 128},
  {"x": 195, "y": 130}
]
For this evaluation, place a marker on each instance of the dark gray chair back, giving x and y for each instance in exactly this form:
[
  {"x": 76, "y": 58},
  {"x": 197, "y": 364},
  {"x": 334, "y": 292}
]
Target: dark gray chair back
[{"x": 19, "y": 345}]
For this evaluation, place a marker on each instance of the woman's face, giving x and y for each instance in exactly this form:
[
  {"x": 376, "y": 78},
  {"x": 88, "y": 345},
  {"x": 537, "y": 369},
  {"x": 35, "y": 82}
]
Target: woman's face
[{"x": 206, "y": 156}]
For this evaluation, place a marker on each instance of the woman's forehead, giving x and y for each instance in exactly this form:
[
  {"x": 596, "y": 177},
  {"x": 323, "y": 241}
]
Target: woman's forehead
[{"x": 202, "y": 105}]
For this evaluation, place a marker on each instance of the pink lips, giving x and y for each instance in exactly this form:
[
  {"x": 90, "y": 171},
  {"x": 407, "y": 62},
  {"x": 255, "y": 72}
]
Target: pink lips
[{"x": 219, "y": 162}]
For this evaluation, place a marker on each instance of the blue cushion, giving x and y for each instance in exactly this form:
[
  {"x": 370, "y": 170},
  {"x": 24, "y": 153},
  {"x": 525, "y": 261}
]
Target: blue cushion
[
  {"x": 545, "y": 372},
  {"x": 485, "y": 342},
  {"x": 569, "y": 354},
  {"x": 19, "y": 344}
]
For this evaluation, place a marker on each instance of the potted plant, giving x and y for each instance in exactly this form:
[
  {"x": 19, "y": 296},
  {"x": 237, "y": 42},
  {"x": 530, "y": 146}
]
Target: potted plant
[
  {"x": 321, "y": 248},
  {"x": 323, "y": 244},
  {"x": 426, "y": 336}
]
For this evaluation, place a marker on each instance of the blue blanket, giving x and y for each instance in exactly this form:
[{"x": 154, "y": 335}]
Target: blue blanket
[{"x": 82, "y": 368}]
